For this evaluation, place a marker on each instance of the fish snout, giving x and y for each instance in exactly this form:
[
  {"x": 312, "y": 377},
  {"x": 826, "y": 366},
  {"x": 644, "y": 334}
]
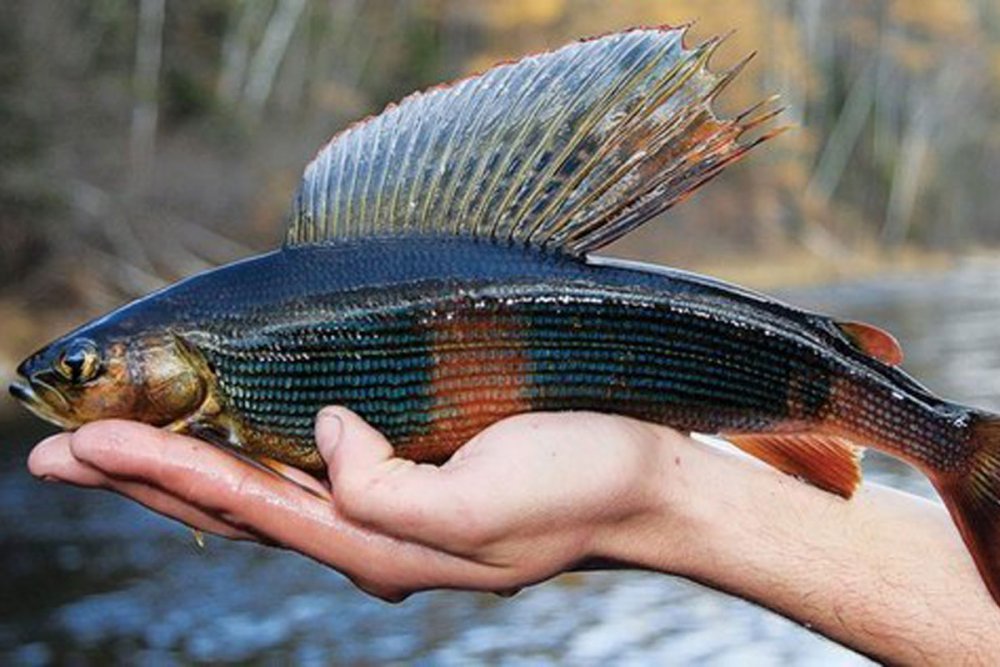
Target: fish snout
[
  {"x": 20, "y": 387},
  {"x": 43, "y": 400},
  {"x": 20, "y": 390}
]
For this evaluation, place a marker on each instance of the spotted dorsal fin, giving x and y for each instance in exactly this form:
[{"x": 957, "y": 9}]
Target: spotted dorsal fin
[{"x": 564, "y": 151}]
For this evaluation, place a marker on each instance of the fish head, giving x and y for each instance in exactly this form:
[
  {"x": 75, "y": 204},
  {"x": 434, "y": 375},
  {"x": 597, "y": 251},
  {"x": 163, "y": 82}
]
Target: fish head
[{"x": 90, "y": 375}]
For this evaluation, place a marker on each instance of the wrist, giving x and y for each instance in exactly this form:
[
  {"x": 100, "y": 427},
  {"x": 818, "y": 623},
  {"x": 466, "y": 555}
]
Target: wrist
[{"x": 668, "y": 523}]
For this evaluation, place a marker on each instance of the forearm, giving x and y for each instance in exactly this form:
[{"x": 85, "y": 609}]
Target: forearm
[{"x": 885, "y": 573}]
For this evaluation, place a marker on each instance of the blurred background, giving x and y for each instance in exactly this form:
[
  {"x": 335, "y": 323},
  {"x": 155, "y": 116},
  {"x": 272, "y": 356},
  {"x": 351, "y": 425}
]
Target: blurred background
[{"x": 143, "y": 141}]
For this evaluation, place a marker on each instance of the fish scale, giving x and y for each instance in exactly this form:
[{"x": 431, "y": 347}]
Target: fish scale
[{"x": 668, "y": 356}]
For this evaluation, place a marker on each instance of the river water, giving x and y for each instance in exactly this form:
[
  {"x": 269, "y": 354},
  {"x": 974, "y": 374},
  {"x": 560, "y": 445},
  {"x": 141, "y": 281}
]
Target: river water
[{"x": 91, "y": 577}]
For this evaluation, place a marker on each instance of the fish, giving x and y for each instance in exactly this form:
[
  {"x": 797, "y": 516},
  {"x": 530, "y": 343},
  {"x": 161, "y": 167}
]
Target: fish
[{"x": 439, "y": 273}]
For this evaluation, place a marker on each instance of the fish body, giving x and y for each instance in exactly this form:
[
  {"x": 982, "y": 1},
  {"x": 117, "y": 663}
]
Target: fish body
[
  {"x": 431, "y": 340},
  {"x": 437, "y": 276}
]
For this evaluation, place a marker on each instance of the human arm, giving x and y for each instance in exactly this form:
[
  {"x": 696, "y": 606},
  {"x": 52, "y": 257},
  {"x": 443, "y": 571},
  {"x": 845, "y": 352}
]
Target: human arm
[
  {"x": 539, "y": 494},
  {"x": 885, "y": 573}
]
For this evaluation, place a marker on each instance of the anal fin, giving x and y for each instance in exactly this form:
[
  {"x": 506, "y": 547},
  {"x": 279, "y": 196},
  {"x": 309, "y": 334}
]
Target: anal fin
[{"x": 829, "y": 462}]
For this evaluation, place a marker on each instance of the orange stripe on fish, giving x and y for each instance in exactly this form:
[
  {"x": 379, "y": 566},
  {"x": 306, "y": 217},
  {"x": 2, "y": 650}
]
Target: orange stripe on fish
[{"x": 479, "y": 372}]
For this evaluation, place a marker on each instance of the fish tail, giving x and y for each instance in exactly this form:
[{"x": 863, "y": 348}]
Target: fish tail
[{"x": 972, "y": 495}]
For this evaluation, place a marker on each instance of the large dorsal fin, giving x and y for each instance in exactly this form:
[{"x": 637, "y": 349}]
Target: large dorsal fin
[{"x": 565, "y": 150}]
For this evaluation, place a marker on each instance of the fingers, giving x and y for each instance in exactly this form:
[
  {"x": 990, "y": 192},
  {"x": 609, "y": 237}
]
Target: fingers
[
  {"x": 417, "y": 502},
  {"x": 53, "y": 459},
  {"x": 172, "y": 507},
  {"x": 365, "y": 448},
  {"x": 209, "y": 489},
  {"x": 256, "y": 501},
  {"x": 194, "y": 472}
]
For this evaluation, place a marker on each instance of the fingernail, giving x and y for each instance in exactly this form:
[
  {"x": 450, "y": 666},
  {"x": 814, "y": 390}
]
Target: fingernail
[
  {"x": 45, "y": 442},
  {"x": 41, "y": 459},
  {"x": 329, "y": 427}
]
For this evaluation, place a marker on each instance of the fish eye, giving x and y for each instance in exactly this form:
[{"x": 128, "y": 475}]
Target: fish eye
[{"x": 79, "y": 362}]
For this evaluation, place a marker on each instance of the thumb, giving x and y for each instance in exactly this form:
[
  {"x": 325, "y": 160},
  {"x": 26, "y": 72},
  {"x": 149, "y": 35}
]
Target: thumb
[
  {"x": 374, "y": 488},
  {"x": 347, "y": 442}
]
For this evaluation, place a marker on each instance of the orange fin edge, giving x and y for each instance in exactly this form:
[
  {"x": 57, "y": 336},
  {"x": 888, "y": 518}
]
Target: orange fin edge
[
  {"x": 829, "y": 462},
  {"x": 874, "y": 341}
]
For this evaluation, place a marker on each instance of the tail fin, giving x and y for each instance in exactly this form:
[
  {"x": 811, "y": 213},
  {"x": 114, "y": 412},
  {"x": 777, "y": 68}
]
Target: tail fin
[{"x": 973, "y": 498}]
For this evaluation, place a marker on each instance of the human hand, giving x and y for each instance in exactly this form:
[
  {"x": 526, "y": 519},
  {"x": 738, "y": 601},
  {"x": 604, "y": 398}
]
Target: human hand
[
  {"x": 528, "y": 498},
  {"x": 538, "y": 494}
]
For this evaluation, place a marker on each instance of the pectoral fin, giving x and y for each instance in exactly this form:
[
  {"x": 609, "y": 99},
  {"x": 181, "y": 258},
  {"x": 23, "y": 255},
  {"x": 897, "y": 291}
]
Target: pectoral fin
[
  {"x": 829, "y": 462},
  {"x": 221, "y": 431}
]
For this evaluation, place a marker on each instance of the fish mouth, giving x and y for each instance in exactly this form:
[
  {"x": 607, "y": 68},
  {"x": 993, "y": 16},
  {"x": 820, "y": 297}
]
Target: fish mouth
[{"x": 38, "y": 396}]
